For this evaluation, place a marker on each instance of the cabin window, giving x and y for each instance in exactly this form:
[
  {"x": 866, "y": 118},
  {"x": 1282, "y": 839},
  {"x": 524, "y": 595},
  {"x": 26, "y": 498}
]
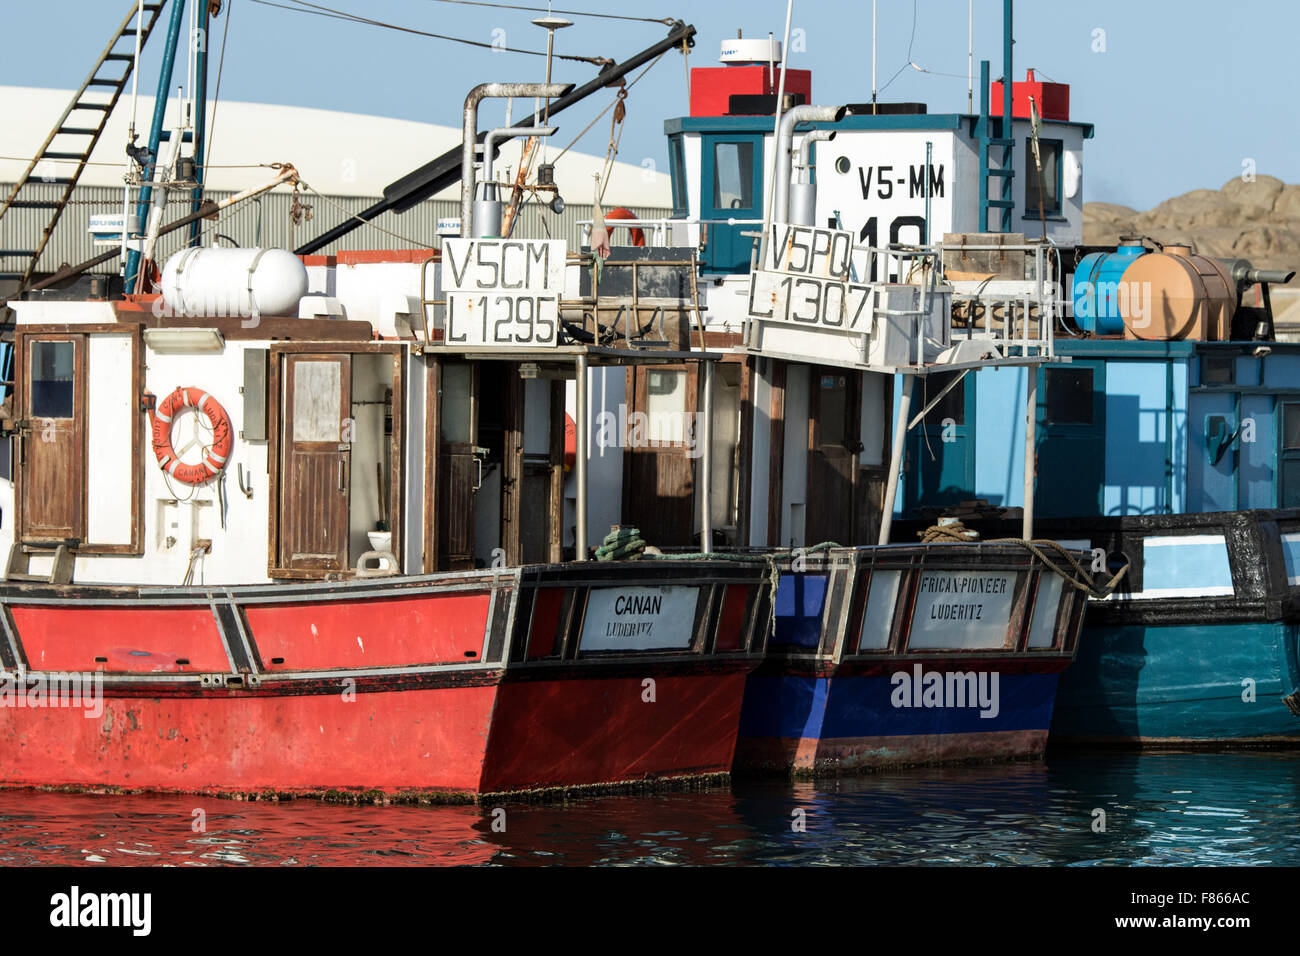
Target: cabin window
[
  {"x": 1046, "y": 187},
  {"x": 316, "y": 401},
  {"x": 1069, "y": 396},
  {"x": 834, "y": 409},
  {"x": 666, "y": 405},
  {"x": 457, "y": 420},
  {"x": 952, "y": 407},
  {"x": 677, "y": 170},
  {"x": 1217, "y": 370},
  {"x": 52, "y": 379},
  {"x": 733, "y": 175},
  {"x": 1291, "y": 425},
  {"x": 1290, "y": 492}
]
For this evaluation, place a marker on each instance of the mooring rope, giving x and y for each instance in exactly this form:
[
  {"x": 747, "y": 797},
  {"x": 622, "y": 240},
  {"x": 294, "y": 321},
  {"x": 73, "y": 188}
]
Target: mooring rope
[{"x": 1082, "y": 579}]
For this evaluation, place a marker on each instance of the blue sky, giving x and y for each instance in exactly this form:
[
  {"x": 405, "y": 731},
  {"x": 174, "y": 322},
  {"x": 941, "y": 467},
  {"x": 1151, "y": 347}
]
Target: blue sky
[{"x": 1184, "y": 92}]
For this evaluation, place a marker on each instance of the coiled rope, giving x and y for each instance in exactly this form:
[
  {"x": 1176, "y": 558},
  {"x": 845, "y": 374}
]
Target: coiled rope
[
  {"x": 627, "y": 544},
  {"x": 1082, "y": 579}
]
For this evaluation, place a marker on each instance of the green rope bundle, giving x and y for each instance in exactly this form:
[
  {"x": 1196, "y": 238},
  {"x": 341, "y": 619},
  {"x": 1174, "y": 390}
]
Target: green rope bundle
[{"x": 621, "y": 544}]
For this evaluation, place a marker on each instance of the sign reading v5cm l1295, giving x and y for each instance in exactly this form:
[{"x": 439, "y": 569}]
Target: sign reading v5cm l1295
[{"x": 502, "y": 292}]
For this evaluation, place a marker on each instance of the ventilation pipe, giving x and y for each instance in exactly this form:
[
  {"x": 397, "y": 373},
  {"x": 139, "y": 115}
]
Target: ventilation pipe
[
  {"x": 781, "y": 162},
  {"x": 477, "y": 95},
  {"x": 803, "y": 191},
  {"x": 487, "y": 211}
]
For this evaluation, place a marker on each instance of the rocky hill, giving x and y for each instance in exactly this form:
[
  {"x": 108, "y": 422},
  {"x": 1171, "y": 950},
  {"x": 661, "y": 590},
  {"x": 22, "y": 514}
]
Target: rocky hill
[{"x": 1258, "y": 220}]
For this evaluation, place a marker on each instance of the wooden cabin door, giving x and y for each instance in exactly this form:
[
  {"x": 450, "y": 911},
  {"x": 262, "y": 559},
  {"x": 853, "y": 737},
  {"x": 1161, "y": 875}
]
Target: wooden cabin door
[
  {"x": 659, "y": 472},
  {"x": 316, "y": 462},
  {"x": 51, "y": 440},
  {"x": 459, "y": 465},
  {"x": 833, "y": 448}
]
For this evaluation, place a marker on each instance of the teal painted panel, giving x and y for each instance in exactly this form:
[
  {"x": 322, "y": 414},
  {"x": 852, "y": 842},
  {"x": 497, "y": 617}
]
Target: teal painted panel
[
  {"x": 1257, "y": 478},
  {"x": 1179, "y": 683},
  {"x": 1282, "y": 371},
  {"x": 1000, "y": 436},
  {"x": 1210, "y": 487}
]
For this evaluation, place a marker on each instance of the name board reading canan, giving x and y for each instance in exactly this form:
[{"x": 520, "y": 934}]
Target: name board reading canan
[
  {"x": 639, "y": 619},
  {"x": 963, "y": 609},
  {"x": 503, "y": 292},
  {"x": 807, "y": 280}
]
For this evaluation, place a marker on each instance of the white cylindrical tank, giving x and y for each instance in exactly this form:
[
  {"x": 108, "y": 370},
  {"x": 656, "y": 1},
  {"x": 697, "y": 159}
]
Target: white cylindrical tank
[{"x": 233, "y": 282}]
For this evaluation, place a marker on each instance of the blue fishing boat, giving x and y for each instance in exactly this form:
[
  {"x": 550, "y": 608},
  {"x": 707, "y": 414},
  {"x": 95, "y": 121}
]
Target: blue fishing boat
[{"x": 910, "y": 655}]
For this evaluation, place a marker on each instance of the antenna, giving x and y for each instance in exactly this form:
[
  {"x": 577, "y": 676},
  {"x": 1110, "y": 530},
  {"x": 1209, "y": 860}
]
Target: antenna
[
  {"x": 873, "y": 57},
  {"x": 550, "y": 24},
  {"x": 776, "y": 133},
  {"x": 970, "y": 58}
]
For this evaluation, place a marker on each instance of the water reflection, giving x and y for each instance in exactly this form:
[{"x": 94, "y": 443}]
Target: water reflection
[{"x": 1160, "y": 809}]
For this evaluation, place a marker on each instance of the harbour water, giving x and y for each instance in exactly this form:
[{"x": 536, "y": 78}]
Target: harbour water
[{"x": 1228, "y": 809}]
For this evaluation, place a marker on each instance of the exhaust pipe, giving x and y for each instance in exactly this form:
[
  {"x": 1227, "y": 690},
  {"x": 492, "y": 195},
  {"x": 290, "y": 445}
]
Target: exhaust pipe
[
  {"x": 803, "y": 191},
  {"x": 487, "y": 211},
  {"x": 470, "y": 131}
]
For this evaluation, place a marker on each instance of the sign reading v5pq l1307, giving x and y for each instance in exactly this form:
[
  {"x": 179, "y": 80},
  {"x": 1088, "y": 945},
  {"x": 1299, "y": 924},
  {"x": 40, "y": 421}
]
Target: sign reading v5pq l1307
[
  {"x": 807, "y": 280},
  {"x": 502, "y": 292}
]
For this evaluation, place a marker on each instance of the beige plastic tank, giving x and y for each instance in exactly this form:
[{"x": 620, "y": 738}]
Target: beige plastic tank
[{"x": 1176, "y": 294}]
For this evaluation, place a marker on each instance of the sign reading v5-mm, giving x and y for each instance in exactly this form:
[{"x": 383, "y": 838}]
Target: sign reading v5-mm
[{"x": 502, "y": 292}]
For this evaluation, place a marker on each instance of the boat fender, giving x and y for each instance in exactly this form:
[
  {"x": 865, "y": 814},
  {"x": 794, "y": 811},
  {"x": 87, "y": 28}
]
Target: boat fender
[{"x": 215, "y": 455}]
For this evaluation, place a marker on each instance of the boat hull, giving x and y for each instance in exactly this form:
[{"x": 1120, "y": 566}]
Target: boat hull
[
  {"x": 1198, "y": 647},
  {"x": 889, "y": 657},
  {"x": 848, "y": 724},
  {"x": 446, "y": 687},
  {"x": 1186, "y": 685}
]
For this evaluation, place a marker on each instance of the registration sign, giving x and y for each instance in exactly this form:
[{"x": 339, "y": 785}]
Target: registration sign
[
  {"x": 503, "y": 293},
  {"x": 807, "y": 281}
]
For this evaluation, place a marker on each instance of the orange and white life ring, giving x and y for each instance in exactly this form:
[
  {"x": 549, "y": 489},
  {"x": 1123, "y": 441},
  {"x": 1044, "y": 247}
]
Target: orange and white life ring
[
  {"x": 214, "y": 459},
  {"x": 636, "y": 235}
]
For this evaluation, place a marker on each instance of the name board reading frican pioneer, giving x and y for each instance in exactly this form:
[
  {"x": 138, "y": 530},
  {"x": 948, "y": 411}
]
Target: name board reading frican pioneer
[
  {"x": 503, "y": 292},
  {"x": 806, "y": 280},
  {"x": 963, "y": 609}
]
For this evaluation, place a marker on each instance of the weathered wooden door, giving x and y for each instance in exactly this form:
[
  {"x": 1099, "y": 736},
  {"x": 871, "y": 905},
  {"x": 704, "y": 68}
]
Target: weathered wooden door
[
  {"x": 459, "y": 467},
  {"x": 833, "y": 448},
  {"x": 51, "y": 440},
  {"x": 316, "y": 462},
  {"x": 659, "y": 473}
]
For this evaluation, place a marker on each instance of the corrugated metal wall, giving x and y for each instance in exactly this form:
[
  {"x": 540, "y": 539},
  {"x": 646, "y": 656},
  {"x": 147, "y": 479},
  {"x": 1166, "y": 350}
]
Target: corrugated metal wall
[{"x": 265, "y": 221}]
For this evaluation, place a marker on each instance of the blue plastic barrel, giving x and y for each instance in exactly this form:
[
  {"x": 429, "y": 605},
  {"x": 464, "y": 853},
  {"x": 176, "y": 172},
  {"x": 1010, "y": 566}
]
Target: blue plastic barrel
[{"x": 1096, "y": 286}]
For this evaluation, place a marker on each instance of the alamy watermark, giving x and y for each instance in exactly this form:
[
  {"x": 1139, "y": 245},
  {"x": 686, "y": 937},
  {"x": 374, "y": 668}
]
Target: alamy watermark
[
  {"x": 623, "y": 428},
  {"x": 54, "y": 689},
  {"x": 956, "y": 689}
]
